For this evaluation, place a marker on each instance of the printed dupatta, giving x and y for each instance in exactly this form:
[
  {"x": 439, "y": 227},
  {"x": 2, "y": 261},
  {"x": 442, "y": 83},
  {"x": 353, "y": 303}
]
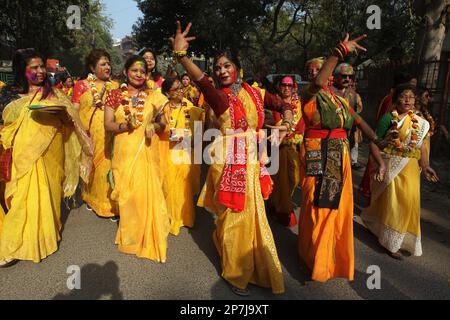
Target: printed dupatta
[{"x": 234, "y": 177}]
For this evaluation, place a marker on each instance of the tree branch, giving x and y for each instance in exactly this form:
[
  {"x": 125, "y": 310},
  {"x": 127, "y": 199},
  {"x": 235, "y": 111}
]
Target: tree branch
[{"x": 275, "y": 18}]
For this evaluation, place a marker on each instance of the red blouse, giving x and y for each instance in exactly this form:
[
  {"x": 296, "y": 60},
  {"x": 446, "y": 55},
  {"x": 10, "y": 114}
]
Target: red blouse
[{"x": 218, "y": 100}]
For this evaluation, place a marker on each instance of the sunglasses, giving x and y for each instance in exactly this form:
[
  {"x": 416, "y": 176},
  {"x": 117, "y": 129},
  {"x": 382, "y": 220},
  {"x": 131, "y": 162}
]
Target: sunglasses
[
  {"x": 347, "y": 76},
  {"x": 288, "y": 85}
]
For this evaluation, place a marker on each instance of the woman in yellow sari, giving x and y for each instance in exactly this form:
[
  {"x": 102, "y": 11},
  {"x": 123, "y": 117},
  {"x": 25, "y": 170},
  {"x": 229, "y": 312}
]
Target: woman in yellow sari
[
  {"x": 182, "y": 177},
  {"x": 190, "y": 92},
  {"x": 154, "y": 78},
  {"x": 394, "y": 212},
  {"x": 89, "y": 96},
  {"x": 132, "y": 115},
  {"x": 326, "y": 217},
  {"x": 237, "y": 183},
  {"x": 46, "y": 155},
  {"x": 288, "y": 176}
]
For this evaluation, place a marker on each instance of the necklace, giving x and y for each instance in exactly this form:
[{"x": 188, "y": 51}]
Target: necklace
[
  {"x": 98, "y": 103},
  {"x": 137, "y": 102}
]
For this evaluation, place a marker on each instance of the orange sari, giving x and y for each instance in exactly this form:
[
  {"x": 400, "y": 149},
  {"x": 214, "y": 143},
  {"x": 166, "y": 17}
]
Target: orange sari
[{"x": 326, "y": 235}]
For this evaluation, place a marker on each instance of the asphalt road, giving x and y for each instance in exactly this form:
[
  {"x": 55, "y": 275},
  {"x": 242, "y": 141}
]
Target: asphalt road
[{"x": 192, "y": 270}]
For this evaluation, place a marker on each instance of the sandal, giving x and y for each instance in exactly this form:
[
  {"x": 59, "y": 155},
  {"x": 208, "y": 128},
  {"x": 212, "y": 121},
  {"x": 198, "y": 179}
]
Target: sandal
[
  {"x": 396, "y": 255},
  {"x": 240, "y": 292},
  {"x": 8, "y": 263}
]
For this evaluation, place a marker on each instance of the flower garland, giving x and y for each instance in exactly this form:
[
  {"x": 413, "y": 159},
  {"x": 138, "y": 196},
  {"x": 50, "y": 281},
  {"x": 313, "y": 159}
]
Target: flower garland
[
  {"x": 396, "y": 143},
  {"x": 292, "y": 137},
  {"x": 125, "y": 102},
  {"x": 68, "y": 92},
  {"x": 97, "y": 99}
]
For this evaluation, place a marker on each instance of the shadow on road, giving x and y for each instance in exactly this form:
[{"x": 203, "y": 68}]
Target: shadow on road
[
  {"x": 387, "y": 291},
  {"x": 96, "y": 282},
  {"x": 286, "y": 242},
  {"x": 202, "y": 236},
  {"x": 366, "y": 237},
  {"x": 204, "y": 227}
]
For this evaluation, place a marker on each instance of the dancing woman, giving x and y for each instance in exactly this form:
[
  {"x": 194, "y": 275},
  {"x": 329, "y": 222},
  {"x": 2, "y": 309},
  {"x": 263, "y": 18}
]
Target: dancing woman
[
  {"x": 326, "y": 218},
  {"x": 235, "y": 189}
]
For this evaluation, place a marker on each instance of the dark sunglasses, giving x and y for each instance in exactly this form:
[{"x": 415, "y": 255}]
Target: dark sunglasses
[{"x": 345, "y": 76}]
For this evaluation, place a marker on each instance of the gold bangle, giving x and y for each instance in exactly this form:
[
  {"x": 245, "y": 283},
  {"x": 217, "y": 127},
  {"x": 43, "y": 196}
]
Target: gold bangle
[
  {"x": 179, "y": 54},
  {"x": 337, "y": 51}
]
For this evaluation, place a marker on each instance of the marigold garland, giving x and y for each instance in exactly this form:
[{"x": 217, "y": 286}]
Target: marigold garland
[
  {"x": 125, "y": 102},
  {"x": 97, "y": 99},
  {"x": 399, "y": 145}
]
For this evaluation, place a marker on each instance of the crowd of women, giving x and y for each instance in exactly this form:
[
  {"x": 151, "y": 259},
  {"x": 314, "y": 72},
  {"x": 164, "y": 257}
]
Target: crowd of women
[{"x": 122, "y": 140}]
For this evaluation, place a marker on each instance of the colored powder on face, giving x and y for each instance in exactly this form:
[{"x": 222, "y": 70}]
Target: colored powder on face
[
  {"x": 287, "y": 80},
  {"x": 31, "y": 75},
  {"x": 234, "y": 75},
  {"x": 139, "y": 64}
]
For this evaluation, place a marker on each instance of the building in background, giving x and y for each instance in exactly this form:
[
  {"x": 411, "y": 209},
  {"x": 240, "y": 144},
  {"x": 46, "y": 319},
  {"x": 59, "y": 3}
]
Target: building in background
[{"x": 126, "y": 47}]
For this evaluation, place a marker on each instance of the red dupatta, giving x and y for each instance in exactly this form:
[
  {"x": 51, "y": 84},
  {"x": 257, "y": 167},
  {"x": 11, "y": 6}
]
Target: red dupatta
[{"x": 233, "y": 183}]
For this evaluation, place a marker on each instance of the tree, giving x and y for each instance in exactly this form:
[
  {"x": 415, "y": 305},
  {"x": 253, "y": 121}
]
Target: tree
[
  {"x": 94, "y": 33},
  {"x": 39, "y": 24},
  {"x": 217, "y": 24},
  {"x": 42, "y": 25},
  {"x": 278, "y": 35},
  {"x": 430, "y": 34}
]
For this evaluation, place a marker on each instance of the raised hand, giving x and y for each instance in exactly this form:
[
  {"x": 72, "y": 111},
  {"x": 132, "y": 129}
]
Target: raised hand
[
  {"x": 353, "y": 45},
  {"x": 181, "y": 40}
]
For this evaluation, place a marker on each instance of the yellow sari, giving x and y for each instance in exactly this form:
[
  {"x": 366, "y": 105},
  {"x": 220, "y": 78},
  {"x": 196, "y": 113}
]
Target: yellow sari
[
  {"x": 394, "y": 212},
  {"x": 288, "y": 176},
  {"x": 45, "y": 167},
  {"x": 191, "y": 93},
  {"x": 244, "y": 239},
  {"x": 144, "y": 221},
  {"x": 182, "y": 180},
  {"x": 97, "y": 193}
]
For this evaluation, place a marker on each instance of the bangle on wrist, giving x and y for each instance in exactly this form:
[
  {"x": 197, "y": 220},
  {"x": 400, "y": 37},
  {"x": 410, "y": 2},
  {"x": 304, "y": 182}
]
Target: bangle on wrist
[
  {"x": 179, "y": 54},
  {"x": 344, "y": 46},
  {"x": 339, "y": 52}
]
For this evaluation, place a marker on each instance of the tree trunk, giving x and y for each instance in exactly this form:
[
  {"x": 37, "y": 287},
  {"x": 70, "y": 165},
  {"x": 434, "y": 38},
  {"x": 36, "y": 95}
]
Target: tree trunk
[{"x": 431, "y": 35}]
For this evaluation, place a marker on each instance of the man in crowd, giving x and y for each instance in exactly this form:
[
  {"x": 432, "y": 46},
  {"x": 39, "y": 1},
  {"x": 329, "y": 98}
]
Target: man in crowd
[{"x": 342, "y": 86}]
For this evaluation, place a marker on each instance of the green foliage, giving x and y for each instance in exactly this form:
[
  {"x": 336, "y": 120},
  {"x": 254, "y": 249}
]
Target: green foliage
[
  {"x": 278, "y": 35},
  {"x": 42, "y": 25},
  {"x": 217, "y": 25}
]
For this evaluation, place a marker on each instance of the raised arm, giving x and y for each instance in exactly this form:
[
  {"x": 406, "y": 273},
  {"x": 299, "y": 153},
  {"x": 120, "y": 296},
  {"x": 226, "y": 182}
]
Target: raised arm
[
  {"x": 180, "y": 45},
  {"x": 330, "y": 64}
]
